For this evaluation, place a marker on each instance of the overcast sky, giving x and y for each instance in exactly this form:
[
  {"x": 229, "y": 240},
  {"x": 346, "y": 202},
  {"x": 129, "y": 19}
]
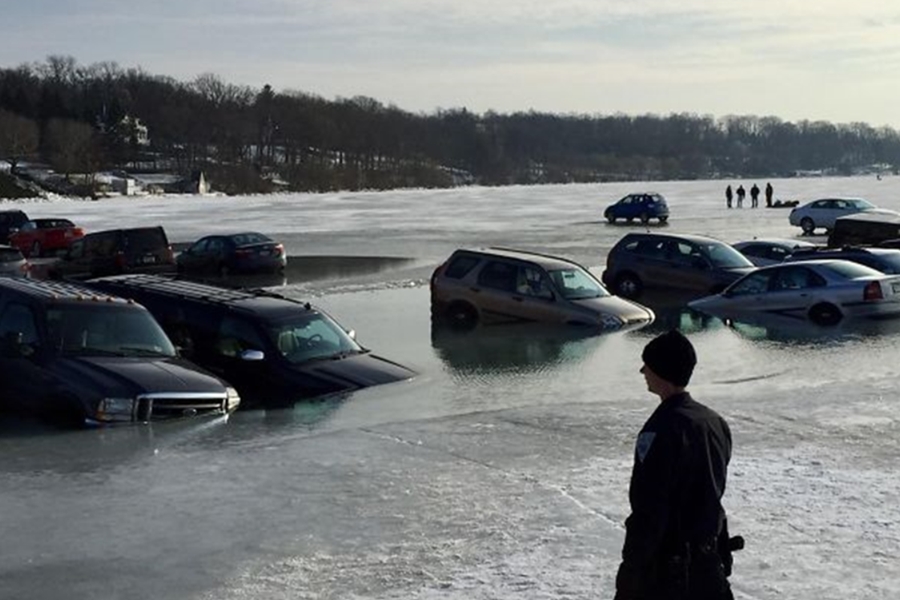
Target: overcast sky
[{"x": 834, "y": 60}]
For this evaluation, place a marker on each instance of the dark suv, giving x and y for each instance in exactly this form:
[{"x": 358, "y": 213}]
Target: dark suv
[
  {"x": 10, "y": 221},
  {"x": 273, "y": 349},
  {"x": 886, "y": 260},
  {"x": 694, "y": 263},
  {"x": 135, "y": 250},
  {"x": 74, "y": 356}
]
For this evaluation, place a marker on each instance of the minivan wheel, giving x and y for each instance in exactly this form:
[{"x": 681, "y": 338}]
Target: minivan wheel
[
  {"x": 628, "y": 285},
  {"x": 825, "y": 314},
  {"x": 807, "y": 225},
  {"x": 610, "y": 219},
  {"x": 461, "y": 316}
]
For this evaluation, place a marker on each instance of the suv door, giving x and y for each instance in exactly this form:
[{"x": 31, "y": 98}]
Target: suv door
[
  {"x": 22, "y": 376},
  {"x": 516, "y": 291},
  {"x": 235, "y": 335},
  {"x": 689, "y": 268}
]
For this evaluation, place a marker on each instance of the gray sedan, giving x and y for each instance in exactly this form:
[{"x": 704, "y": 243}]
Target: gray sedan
[
  {"x": 822, "y": 291},
  {"x": 12, "y": 263}
]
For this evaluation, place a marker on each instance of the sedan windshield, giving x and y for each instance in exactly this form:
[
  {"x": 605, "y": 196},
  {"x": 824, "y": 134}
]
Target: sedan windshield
[
  {"x": 106, "y": 330},
  {"x": 726, "y": 257},
  {"x": 311, "y": 336},
  {"x": 576, "y": 284}
]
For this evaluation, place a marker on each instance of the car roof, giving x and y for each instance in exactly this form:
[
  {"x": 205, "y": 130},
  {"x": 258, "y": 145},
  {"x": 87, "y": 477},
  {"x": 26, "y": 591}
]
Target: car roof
[
  {"x": 875, "y": 217},
  {"x": 777, "y": 241},
  {"x": 691, "y": 237},
  {"x": 61, "y": 291},
  {"x": 822, "y": 262},
  {"x": 257, "y": 301},
  {"x": 545, "y": 260}
]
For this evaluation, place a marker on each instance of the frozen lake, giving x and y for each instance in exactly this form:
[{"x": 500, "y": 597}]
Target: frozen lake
[{"x": 502, "y": 470}]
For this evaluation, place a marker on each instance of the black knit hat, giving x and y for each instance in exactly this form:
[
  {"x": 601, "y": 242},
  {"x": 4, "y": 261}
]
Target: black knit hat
[{"x": 671, "y": 356}]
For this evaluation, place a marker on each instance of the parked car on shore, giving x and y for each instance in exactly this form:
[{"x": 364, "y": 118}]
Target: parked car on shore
[
  {"x": 823, "y": 212},
  {"x": 643, "y": 206},
  {"x": 246, "y": 252},
  {"x": 770, "y": 251},
  {"x": 113, "y": 251},
  {"x": 688, "y": 262},
  {"x": 38, "y": 237},
  {"x": 275, "y": 350},
  {"x": 12, "y": 263},
  {"x": 10, "y": 220},
  {"x": 822, "y": 291},
  {"x": 76, "y": 357},
  {"x": 884, "y": 260},
  {"x": 501, "y": 285}
]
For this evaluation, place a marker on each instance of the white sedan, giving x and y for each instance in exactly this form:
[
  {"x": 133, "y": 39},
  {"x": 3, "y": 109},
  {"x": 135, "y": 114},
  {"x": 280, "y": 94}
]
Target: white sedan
[
  {"x": 823, "y": 212},
  {"x": 822, "y": 291}
]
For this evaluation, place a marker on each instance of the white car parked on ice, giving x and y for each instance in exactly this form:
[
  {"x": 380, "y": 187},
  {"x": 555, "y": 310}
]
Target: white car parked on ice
[{"x": 823, "y": 212}]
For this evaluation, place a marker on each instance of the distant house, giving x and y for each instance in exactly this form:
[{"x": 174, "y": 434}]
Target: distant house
[
  {"x": 166, "y": 183},
  {"x": 134, "y": 130}
]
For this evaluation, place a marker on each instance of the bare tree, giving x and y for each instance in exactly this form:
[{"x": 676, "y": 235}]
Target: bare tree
[{"x": 19, "y": 137}]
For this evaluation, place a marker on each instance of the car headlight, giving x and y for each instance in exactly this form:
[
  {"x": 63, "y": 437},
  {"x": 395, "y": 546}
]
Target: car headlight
[
  {"x": 608, "y": 321},
  {"x": 115, "y": 409},
  {"x": 232, "y": 399}
]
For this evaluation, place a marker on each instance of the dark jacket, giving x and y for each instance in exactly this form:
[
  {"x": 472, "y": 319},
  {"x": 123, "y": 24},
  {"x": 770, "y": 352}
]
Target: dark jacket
[{"x": 680, "y": 465}]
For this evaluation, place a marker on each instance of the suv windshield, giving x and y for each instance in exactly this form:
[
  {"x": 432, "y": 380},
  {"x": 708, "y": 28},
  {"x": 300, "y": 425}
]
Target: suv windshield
[
  {"x": 575, "y": 284},
  {"x": 310, "y": 337},
  {"x": 105, "y": 330},
  {"x": 725, "y": 257}
]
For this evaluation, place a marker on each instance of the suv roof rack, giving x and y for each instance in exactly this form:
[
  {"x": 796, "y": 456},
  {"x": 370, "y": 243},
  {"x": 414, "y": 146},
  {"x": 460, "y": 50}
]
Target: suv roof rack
[
  {"x": 192, "y": 290},
  {"x": 530, "y": 253},
  {"x": 55, "y": 290}
]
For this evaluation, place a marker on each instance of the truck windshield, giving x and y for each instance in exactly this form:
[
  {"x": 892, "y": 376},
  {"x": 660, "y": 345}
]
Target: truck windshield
[
  {"x": 311, "y": 336},
  {"x": 106, "y": 330}
]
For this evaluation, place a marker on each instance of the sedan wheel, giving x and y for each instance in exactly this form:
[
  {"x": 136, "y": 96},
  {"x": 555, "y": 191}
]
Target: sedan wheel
[
  {"x": 825, "y": 314},
  {"x": 807, "y": 225}
]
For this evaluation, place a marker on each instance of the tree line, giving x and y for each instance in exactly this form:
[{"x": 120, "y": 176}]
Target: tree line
[{"x": 87, "y": 118}]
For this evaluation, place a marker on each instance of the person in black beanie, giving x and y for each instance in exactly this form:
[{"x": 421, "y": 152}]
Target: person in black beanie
[{"x": 677, "y": 545}]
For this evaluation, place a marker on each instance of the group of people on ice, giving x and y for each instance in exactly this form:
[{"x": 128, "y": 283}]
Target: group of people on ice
[{"x": 740, "y": 193}]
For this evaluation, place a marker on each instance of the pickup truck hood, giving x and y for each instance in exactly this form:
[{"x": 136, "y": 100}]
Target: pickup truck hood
[{"x": 128, "y": 377}]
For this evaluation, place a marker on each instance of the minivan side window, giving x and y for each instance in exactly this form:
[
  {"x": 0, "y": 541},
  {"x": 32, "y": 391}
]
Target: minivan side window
[
  {"x": 499, "y": 276},
  {"x": 460, "y": 266},
  {"x": 237, "y": 335}
]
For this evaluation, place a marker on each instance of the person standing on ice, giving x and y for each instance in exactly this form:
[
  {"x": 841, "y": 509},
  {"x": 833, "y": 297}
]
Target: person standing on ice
[
  {"x": 728, "y": 196},
  {"x": 677, "y": 545}
]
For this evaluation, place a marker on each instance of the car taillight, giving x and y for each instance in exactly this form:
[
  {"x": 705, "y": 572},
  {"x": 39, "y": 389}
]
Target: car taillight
[
  {"x": 873, "y": 291},
  {"x": 279, "y": 249}
]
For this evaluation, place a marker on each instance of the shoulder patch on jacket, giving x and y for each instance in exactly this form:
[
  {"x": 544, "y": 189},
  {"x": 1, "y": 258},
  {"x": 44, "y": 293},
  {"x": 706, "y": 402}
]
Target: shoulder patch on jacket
[{"x": 644, "y": 441}]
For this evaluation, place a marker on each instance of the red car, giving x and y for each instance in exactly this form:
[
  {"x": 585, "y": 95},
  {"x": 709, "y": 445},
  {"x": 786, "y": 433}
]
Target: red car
[{"x": 40, "y": 236}]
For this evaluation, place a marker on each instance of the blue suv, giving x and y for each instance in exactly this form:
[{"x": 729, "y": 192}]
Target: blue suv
[{"x": 638, "y": 206}]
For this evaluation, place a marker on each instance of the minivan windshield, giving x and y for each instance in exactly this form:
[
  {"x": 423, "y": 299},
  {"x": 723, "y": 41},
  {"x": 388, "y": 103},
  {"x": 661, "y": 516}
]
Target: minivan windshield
[
  {"x": 724, "y": 256},
  {"x": 311, "y": 336},
  {"x": 106, "y": 330},
  {"x": 576, "y": 284}
]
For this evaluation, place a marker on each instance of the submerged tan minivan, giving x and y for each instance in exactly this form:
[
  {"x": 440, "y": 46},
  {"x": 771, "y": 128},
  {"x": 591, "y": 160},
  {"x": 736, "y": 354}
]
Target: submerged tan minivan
[{"x": 500, "y": 285}]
